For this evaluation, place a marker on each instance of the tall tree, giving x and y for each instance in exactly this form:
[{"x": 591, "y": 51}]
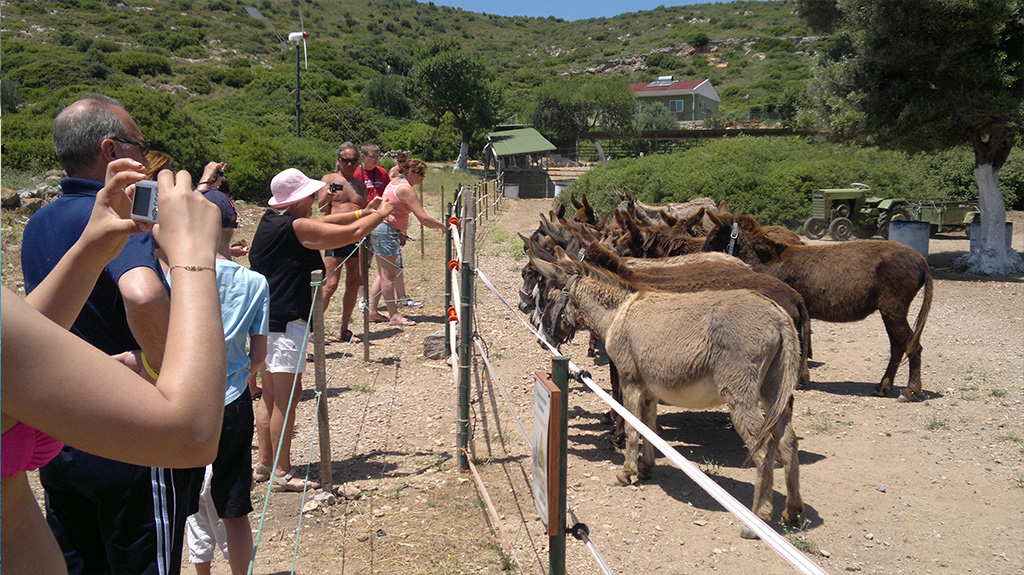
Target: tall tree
[
  {"x": 574, "y": 108},
  {"x": 450, "y": 81},
  {"x": 928, "y": 75}
]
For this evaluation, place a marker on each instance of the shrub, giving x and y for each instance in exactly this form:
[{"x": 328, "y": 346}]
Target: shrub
[{"x": 136, "y": 63}]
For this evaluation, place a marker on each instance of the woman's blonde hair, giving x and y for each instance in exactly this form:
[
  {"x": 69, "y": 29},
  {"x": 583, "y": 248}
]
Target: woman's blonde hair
[
  {"x": 412, "y": 164},
  {"x": 157, "y": 161}
]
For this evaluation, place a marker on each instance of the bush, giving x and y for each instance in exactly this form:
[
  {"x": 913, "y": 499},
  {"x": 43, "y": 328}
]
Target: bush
[
  {"x": 772, "y": 178},
  {"x": 136, "y": 63}
]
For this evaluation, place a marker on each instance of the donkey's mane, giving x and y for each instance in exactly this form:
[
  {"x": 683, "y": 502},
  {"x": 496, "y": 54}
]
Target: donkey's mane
[{"x": 606, "y": 277}]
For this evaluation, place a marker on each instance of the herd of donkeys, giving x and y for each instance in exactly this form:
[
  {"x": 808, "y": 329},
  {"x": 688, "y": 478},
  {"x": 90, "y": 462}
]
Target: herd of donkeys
[{"x": 698, "y": 307}]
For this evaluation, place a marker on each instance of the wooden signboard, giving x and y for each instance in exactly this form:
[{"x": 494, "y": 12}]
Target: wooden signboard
[{"x": 547, "y": 425}]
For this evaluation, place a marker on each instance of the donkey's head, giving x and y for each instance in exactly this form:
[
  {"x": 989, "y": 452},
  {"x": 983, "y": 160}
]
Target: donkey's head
[{"x": 552, "y": 311}]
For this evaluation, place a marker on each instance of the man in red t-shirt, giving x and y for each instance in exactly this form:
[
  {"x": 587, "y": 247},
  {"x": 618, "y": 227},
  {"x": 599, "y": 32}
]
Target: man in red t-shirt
[{"x": 375, "y": 177}]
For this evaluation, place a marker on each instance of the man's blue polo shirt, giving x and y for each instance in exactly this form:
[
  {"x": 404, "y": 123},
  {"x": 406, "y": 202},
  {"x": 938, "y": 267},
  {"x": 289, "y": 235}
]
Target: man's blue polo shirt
[{"x": 52, "y": 231}]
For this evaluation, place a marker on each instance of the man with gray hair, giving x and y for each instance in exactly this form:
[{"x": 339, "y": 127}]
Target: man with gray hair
[{"x": 108, "y": 516}]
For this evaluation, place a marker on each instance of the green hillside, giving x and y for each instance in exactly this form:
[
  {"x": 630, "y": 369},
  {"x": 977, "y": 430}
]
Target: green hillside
[{"x": 206, "y": 80}]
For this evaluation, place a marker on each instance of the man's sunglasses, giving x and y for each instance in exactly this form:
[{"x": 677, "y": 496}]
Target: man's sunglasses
[{"x": 142, "y": 146}]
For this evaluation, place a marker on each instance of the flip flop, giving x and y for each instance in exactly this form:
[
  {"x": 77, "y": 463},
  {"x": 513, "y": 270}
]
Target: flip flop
[
  {"x": 347, "y": 336},
  {"x": 284, "y": 483},
  {"x": 261, "y": 473}
]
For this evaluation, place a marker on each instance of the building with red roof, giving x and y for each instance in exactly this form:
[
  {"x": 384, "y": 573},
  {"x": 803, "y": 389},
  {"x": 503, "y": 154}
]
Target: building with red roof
[{"x": 687, "y": 100}]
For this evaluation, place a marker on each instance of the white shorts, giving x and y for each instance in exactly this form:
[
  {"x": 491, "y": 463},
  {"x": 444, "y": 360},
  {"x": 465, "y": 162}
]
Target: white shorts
[
  {"x": 285, "y": 352},
  {"x": 204, "y": 529}
]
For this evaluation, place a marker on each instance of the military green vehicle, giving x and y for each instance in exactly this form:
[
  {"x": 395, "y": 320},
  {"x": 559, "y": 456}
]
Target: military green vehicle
[{"x": 843, "y": 212}]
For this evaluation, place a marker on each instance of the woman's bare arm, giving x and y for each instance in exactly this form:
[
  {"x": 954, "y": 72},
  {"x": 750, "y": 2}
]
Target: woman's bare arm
[
  {"x": 407, "y": 194},
  {"x": 61, "y": 385}
]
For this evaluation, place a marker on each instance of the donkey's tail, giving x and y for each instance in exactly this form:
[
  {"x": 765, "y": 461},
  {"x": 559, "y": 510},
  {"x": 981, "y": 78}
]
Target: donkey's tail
[
  {"x": 789, "y": 365},
  {"x": 914, "y": 345}
]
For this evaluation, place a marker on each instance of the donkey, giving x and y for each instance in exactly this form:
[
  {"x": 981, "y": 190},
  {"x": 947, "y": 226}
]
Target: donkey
[
  {"x": 695, "y": 350},
  {"x": 842, "y": 283}
]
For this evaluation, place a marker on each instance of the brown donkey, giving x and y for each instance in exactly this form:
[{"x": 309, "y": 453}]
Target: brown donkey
[
  {"x": 842, "y": 283},
  {"x": 696, "y": 350}
]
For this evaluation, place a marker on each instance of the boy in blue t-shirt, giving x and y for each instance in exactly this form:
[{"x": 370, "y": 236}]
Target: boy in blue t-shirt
[{"x": 244, "y": 301}]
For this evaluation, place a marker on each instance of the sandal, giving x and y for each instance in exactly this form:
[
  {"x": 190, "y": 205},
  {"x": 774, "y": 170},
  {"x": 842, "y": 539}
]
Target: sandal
[
  {"x": 261, "y": 473},
  {"x": 348, "y": 337},
  {"x": 377, "y": 318},
  {"x": 284, "y": 483}
]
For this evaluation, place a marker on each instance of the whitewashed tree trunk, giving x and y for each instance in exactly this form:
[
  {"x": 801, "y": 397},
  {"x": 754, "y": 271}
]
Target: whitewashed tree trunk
[
  {"x": 993, "y": 257},
  {"x": 460, "y": 162},
  {"x": 600, "y": 152}
]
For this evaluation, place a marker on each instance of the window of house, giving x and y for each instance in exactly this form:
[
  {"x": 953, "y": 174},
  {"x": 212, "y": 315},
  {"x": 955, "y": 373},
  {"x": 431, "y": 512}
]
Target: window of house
[{"x": 675, "y": 106}]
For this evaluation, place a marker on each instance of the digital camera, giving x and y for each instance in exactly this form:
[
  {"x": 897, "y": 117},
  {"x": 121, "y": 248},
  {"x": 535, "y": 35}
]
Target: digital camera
[{"x": 144, "y": 204}]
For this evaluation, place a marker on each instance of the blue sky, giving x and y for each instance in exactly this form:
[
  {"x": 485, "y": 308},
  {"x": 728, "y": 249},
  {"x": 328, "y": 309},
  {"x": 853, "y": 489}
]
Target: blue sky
[{"x": 565, "y": 9}]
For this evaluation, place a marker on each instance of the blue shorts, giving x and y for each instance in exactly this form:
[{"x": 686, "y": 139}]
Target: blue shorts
[
  {"x": 386, "y": 240},
  {"x": 114, "y": 517},
  {"x": 343, "y": 251}
]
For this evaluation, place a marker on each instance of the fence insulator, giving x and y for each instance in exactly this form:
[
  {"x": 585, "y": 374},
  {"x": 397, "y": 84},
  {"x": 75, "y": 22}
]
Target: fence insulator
[
  {"x": 453, "y": 221},
  {"x": 453, "y": 265},
  {"x": 453, "y": 314}
]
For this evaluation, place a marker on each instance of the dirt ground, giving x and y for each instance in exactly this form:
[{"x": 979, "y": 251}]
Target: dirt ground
[{"x": 890, "y": 487}]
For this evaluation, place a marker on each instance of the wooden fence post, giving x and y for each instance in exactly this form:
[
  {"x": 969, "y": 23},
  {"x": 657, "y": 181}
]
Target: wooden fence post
[{"x": 320, "y": 375}]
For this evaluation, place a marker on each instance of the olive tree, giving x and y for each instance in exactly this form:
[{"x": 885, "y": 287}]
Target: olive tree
[
  {"x": 574, "y": 108},
  {"x": 450, "y": 81},
  {"x": 928, "y": 76}
]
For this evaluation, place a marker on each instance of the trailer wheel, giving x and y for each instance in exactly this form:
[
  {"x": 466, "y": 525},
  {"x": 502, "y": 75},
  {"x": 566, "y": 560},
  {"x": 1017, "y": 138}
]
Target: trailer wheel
[
  {"x": 840, "y": 229},
  {"x": 894, "y": 215},
  {"x": 814, "y": 228}
]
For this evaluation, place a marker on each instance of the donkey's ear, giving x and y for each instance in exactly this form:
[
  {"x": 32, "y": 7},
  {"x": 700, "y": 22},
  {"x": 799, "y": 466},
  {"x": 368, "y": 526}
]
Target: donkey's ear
[
  {"x": 547, "y": 269},
  {"x": 526, "y": 241},
  {"x": 668, "y": 218},
  {"x": 560, "y": 211},
  {"x": 575, "y": 202},
  {"x": 568, "y": 264},
  {"x": 723, "y": 209},
  {"x": 716, "y": 222}
]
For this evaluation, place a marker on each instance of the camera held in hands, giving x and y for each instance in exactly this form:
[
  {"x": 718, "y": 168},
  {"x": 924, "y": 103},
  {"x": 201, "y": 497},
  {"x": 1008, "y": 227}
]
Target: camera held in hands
[
  {"x": 335, "y": 187},
  {"x": 144, "y": 204}
]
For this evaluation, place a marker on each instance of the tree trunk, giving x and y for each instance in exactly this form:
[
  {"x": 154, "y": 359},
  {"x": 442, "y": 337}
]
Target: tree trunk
[
  {"x": 460, "y": 162},
  {"x": 600, "y": 151},
  {"x": 993, "y": 257}
]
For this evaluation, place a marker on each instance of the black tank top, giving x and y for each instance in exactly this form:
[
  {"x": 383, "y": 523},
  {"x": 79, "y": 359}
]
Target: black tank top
[{"x": 277, "y": 254}]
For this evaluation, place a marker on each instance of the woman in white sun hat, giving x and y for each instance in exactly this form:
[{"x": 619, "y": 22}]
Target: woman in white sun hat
[{"x": 286, "y": 249}]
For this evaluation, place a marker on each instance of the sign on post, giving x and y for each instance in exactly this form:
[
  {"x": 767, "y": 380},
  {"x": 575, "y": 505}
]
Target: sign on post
[{"x": 547, "y": 425}]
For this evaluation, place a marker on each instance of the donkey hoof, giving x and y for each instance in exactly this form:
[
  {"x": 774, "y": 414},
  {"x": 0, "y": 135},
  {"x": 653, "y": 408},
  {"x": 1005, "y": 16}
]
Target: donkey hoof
[
  {"x": 624, "y": 478},
  {"x": 910, "y": 395},
  {"x": 644, "y": 471},
  {"x": 747, "y": 533},
  {"x": 792, "y": 516}
]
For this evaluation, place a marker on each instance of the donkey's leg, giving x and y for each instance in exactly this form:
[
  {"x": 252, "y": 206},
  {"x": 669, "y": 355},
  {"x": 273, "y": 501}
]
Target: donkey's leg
[
  {"x": 632, "y": 396},
  {"x": 741, "y": 394},
  {"x": 619, "y": 433},
  {"x": 790, "y": 454},
  {"x": 649, "y": 406},
  {"x": 899, "y": 332}
]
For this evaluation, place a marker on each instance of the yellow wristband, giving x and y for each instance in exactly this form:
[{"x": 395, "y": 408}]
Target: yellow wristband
[
  {"x": 357, "y": 214},
  {"x": 149, "y": 369}
]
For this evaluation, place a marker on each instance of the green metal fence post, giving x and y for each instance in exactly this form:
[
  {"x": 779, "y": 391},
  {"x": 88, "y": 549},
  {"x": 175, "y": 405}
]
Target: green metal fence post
[
  {"x": 556, "y": 543},
  {"x": 466, "y": 325}
]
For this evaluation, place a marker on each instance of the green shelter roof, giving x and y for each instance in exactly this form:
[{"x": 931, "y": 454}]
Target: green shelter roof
[{"x": 520, "y": 141}]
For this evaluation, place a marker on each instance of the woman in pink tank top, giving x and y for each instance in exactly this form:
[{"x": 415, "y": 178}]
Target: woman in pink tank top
[{"x": 387, "y": 238}]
